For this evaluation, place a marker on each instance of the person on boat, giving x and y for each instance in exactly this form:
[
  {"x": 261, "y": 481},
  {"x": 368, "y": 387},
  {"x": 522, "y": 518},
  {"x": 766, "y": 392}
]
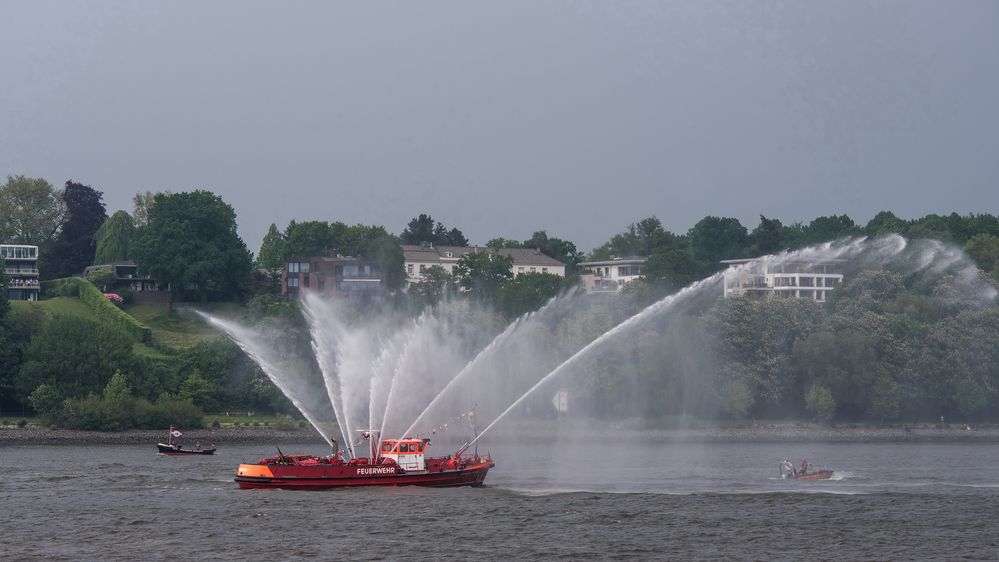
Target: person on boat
[{"x": 804, "y": 466}]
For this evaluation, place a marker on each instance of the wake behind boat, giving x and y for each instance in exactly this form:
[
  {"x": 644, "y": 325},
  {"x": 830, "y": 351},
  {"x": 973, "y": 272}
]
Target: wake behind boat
[{"x": 396, "y": 462}]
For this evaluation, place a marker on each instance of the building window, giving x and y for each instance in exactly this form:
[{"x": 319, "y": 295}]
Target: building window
[
  {"x": 422, "y": 268},
  {"x": 520, "y": 270},
  {"x": 544, "y": 270},
  {"x": 534, "y": 270},
  {"x": 293, "y": 281},
  {"x": 409, "y": 268},
  {"x": 305, "y": 281},
  {"x": 293, "y": 267},
  {"x": 304, "y": 267}
]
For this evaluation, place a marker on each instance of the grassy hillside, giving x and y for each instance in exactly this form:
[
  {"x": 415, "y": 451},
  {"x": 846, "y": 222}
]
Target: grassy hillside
[
  {"x": 178, "y": 329},
  {"x": 66, "y": 306}
]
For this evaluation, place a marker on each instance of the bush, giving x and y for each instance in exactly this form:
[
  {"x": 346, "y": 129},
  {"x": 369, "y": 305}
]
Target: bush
[
  {"x": 125, "y": 293},
  {"x": 285, "y": 423},
  {"x": 96, "y": 413},
  {"x": 66, "y": 287},
  {"x": 819, "y": 400}
]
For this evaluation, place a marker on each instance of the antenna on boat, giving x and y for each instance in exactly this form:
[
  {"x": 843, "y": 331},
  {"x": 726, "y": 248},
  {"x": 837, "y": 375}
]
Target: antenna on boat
[{"x": 475, "y": 429}]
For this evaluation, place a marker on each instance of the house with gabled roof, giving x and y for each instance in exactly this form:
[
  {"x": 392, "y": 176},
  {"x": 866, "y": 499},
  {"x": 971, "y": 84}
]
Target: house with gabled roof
[{"x": 419, "y": 258}]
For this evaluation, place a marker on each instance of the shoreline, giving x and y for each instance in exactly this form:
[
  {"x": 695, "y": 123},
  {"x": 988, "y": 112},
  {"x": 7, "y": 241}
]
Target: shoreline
[{"x": 773, "y": 433}]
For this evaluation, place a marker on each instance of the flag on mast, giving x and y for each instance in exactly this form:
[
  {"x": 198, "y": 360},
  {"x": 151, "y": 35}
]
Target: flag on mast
[{"x": 174, "y": 432}]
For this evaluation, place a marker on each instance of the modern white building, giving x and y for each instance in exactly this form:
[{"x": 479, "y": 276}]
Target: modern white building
[
  {"x": 419, "y": 258},
  {"x": 610, "y": 276},
  {"x": 761, "y": 278},
  {"x": 21, "y": 268}
]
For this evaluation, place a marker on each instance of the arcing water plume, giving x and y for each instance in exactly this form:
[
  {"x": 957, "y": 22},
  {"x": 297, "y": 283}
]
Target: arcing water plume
[
  {"x": 281, "y": 369},
  {"x": 888, "y": 249},
  {"x": 385, "y": 371},
  {"x": 629, "y": 324},
  {"x": 490, "y": 350}
]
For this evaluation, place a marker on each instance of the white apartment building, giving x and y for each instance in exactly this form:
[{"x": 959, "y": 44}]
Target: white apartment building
[
  {"x": 610, "y": 276},
  {"x": 21, "y": 268},
  {"x": 759, "y": 278},
  {"x": 419, "y": 258}
]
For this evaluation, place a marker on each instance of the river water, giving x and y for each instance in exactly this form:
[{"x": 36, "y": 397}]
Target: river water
[{"x": 628, "y": 499}]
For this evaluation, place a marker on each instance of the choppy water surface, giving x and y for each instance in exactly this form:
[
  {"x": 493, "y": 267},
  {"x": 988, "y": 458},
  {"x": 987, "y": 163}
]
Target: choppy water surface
[{"x": 575, "y": 500}]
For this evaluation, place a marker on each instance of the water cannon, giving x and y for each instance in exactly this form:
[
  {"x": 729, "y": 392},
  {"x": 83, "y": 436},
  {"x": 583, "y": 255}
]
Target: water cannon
[{"x": 462, "y": 449}]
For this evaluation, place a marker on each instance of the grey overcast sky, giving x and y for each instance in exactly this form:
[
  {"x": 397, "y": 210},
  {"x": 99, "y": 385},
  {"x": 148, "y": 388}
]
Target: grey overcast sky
[{"x": 507, "y": 117}]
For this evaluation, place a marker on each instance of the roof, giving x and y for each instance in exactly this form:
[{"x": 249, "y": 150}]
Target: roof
[
  {"x": 444, "y": 254},
  {"x": 783, "y": 259},
  {"x": 627, "y": 260}
]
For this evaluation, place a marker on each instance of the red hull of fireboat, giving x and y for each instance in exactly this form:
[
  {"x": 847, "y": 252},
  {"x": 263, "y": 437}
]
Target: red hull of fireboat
[{"x": 312, "y": 473}]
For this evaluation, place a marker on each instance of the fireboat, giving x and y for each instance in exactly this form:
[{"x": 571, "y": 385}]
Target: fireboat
[{"x": 395, "y": 462}]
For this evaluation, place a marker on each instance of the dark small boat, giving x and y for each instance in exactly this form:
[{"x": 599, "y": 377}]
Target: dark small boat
[
  {"x": 173, "y": 449},
  {"x": 178, "y": 449}
]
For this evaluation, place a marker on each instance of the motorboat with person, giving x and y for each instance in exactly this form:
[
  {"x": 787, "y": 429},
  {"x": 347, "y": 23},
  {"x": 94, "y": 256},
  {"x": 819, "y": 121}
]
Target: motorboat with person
[
  {"x": 804, "y": 471},
  {"x": 393, "y": 462},
  {"x": 176, "y": 449}
]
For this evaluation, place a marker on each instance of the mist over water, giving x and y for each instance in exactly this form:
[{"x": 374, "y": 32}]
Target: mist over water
[{"x": 377, "y": 368}]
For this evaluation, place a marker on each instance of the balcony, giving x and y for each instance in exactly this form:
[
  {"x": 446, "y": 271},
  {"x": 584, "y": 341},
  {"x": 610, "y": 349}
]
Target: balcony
[{"x": 15, "y": 270}]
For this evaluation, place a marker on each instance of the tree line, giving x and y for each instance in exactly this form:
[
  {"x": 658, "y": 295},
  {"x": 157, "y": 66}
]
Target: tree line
[{"x": 904, "y": 351}]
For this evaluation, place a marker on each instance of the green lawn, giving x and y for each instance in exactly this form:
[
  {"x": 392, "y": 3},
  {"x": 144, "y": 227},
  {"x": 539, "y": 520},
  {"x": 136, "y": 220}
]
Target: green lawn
[
  {"x": 66, "y": 306},
  {"x": 70, "y": 306},
  {"x": 180, "y": 328}
]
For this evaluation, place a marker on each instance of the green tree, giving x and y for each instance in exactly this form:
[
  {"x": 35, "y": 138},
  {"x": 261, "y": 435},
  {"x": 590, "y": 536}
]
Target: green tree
[
  {"x": 31, "y": 211},
  {"x": 4, "y": 304},
  {"x": 101, "y": 278},
  {"x": 271, "y": 257},
  {"x": 74, "y": 246},
  {"x": 497, "y": 243},
  {"x": 385, "y": 251},
  {"x": 770, "y": 237},
  {"x": 886, "y": 399},
  {"x": 117, "y": 391},
  {"x": 310, "y": 238},
  {"x": 820, "y": 402},
  {"x": 191, "y": 239},
  {"x": 736, "y": 399},
  {"x": 141, "y": 203},
  {"x": 483, "y": 273},
  {"x": 885, "y": 222},
  {"x": 527, "y": 292},
  {"x": 75, "y": 355},
  {"x": 643, "y": 238},
  {"x": 46, "y": 400},
  {"x": 673, "y": 269},
  {"x": 824, "y": 229},
  {"x": 561, "y": 250},
  {"x": 423, "y": 229},
  {"x": 113, "y": 238},
  {"x": 713, "y": 239},
  {"x": 984, "y": 249},
  {"x": 436, "y": 285},
  {"x": 196, "y": 389}
]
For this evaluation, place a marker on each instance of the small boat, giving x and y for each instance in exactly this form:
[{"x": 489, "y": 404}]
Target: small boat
[
  {"x": 178, "y": 449},
  {"x": 174, "y": 449},
  {"x": 395, "y": 462},
  {"x": 804, "y": 472}
]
